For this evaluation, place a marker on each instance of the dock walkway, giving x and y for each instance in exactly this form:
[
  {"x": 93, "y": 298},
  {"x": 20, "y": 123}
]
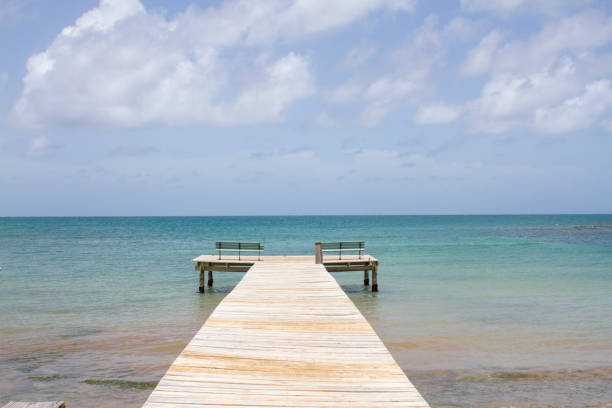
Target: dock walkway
[{"x": 286, "y": 336}]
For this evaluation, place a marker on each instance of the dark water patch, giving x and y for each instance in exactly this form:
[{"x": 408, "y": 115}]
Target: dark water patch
[
  {"x": 15, "y": 330},
  {"x": 34, "y": 360},
  {"x": 592, "y": 227},
  {"x": 123, "y": 384},
  {"x": 597, "y": 374},
  {"x": 46, "y": 378},
  {"x": 569, "y": 388},
  {"x": 79, "y": 332},
  {"x": 218, "y": 289},
  {"x": 355, "y": 288}
]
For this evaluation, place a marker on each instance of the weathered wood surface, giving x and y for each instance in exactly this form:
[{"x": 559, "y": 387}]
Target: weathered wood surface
[
  {"x": 286, "y": 336},
  {"x": 20, "y": 404},
  {"x": 249, "y": 260}
]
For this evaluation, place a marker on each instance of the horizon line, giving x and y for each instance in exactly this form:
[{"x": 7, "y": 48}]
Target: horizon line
[{"x": 308, "y": 215}]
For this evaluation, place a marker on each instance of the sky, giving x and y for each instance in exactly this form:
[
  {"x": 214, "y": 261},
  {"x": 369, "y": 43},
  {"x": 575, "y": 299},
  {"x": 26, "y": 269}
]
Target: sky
[{"x": 300, "y": 107}]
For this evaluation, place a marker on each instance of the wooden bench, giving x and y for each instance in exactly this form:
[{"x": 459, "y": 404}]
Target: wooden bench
[
  {"x": 343, "y": 246},
  {"x": 239, "y": 247}
]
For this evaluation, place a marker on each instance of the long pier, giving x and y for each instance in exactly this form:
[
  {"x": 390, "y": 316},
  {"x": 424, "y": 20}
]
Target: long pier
[{"x": 286, "y": 336}]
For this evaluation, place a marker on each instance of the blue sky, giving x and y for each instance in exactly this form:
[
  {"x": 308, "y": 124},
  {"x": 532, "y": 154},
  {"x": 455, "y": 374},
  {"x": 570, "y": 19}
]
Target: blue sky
[{"x": 127, "y": 107}]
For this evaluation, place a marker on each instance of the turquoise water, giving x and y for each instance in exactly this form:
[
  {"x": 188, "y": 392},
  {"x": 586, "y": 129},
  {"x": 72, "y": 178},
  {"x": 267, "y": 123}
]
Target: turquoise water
[{"x": 479, "y": 311}]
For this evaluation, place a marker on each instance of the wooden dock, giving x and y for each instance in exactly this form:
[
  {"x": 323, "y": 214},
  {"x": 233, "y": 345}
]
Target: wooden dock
[
  {"x": 286, "y": 336},
  {"x": 212, "y": 263}
]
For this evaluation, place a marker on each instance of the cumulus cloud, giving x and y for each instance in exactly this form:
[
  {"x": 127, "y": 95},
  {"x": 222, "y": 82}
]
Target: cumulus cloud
[
  {"x": 324, "y": 120},
  {"x": 479, "y": 58},
  {"x": 121, "y": 65},
  {"x": 570, "y": 36},
  {"x": 544, "y": 74},
  {"x": 573, "y": 35},
  {"x": 461, "y": 28},
  {"x": 507, "y": 99},
  {"x": 415, "y": 61},
  {"x": 576, "y": 113},
  {"x": 357, "y": 56},
  {"x": 39, "y": 147},
  {"x": 436, "y": 113},
  {"x": 346, "y": 92},
  {"x": 383, "y": 95},
  {"x": 513, "y": 7}
]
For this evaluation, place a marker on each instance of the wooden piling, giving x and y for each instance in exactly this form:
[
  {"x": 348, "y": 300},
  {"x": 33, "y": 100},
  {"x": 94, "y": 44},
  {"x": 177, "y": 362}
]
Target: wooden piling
[
  {"x": 318, "y": 253},
  {"x": 210, "y": 278},
  {"x": 366, "y": 277},
  {"x": 374, "y": 276},
  {"x": 202, "y": 280}
]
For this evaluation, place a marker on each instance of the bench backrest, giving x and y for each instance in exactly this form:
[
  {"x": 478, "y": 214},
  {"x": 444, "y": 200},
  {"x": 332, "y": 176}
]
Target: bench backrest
[
  {"x": 343, "y": 245},
  {"x": 247, "y": 246},
  {"x": 239, "y": 247}
]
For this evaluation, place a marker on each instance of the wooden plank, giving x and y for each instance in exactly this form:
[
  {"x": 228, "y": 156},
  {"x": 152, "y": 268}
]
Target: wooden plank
[
  {"x": 252, "y": 259},
  {"x": 286, "y": 336},
  {"x": 348, "y": 268},
  {"x": 21, "y": 404}
]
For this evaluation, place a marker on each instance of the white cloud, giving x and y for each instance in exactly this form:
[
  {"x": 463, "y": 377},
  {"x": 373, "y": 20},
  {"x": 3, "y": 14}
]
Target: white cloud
[
  {"x": 357, "y": 56},
  {"x": 105, "y": 16},
  {"x": 576, "y": 113},
  {"x": 324, "y": 120},
  {"x": 461, "y": 29},
  {"x": 286, "y": 80},
  {"x": 415, "y": 61},
  {"x": 384, "y": 94},
  {"x": 548, "y": 69},
  {"x": 436, "y": 113},
  {"x": 573, "y": 35},
  {"x": 121, "y": 65},
  {"x": 499, "y": 6},
  {"x": 423, "y": 51},
  {"x": 513, "y": 7},
  {"x": 39, "y": 147},
  {"x": 346, "y": 92},
  {"x": 479, "y": 58},
  {"x": 507, "y": 99}
]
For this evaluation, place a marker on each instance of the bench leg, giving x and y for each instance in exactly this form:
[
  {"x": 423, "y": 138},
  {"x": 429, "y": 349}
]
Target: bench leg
[
  {"x": 201, "y": 280},
  {"x": 210, "y": 278},
  {"x": 366, "y": 277}
]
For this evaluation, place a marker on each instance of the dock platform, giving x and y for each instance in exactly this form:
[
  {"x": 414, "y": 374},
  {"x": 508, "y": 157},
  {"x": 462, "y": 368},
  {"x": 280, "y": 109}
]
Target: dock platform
[
  {"x": 213, "y": 263},
  {"x": 286, "y": 336}
]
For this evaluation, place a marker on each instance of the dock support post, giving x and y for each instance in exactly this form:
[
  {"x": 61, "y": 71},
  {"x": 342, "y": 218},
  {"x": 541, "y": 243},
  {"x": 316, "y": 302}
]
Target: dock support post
[
  {"x": 318, "y": 253},
  {"x": 366, "y": 277},
  {"x": 374, "y": 276},
  {"x": 210, "y": 278},
  {"x": 201, "y": 279}
]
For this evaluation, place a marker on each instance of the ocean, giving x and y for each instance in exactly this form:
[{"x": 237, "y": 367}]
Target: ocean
[{"x": 479, "y": 311}]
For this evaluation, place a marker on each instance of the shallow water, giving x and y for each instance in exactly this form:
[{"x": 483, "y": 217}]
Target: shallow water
[{"x": 481, "y": 311}]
